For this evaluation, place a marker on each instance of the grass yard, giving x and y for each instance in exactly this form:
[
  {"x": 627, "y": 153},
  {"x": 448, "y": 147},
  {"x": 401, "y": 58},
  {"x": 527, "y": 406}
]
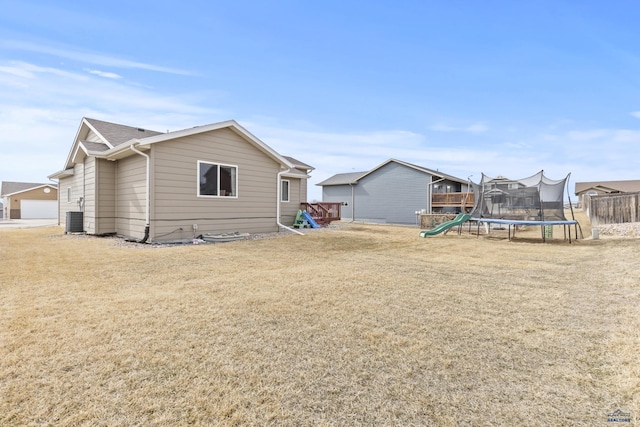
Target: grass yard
[{"x": 361, "y": 325}]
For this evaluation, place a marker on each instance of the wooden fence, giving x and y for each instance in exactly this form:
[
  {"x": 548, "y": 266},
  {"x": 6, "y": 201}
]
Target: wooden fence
[{"x": 613, "y": 208}]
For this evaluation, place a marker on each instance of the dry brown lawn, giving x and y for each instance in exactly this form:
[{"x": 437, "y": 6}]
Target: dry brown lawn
[{"x": 361, "y": 325}]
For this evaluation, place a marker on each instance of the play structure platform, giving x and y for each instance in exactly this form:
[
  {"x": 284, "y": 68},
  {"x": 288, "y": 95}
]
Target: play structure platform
[
  {"x": 446, "y": 226},
  {"x": 304, "y": 220}
]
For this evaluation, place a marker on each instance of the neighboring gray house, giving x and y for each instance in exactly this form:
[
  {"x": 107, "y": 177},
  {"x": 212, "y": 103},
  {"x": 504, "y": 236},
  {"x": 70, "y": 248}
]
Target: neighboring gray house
[
  {"x": 154, "y": 186},
  {"x": 394, "y": 191},
  {"x": 28, "y": 200}
]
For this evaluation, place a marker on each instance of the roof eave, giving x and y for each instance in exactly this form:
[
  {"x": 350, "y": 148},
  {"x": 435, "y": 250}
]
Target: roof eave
[
  {"x": 61, "y": 174},
  {"x": 30, "y": 189}
]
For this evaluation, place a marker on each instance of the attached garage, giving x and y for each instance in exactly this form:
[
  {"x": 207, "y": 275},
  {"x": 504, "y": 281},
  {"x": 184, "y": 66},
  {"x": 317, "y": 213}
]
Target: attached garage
[{"x": 38, "y": 209}]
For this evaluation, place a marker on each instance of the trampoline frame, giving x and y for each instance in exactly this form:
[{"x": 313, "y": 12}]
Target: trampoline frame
[{"x": 566, "y": 225}]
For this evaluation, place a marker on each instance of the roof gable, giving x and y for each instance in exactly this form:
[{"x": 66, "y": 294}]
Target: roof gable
[
  {"x": 124, "y": 150},
  {"x": 114, "y": 134},
  {"x": 352, "y": 178},
  {"x": 98, "y": 136},
  {"x": 113, "y": 141},
  {"x": 9, "y": 188}
]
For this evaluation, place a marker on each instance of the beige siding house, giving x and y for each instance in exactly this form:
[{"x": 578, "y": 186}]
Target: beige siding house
[
  {"x": 154, "y": 187},
  {"x": 28, "y": 200}
]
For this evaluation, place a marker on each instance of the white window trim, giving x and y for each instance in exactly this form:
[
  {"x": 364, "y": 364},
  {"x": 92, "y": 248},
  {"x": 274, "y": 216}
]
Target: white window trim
[
  {"x": 288, "y": 191},
  {"x": 208, "y": 196},
  {"x": 69, "y": 194}
]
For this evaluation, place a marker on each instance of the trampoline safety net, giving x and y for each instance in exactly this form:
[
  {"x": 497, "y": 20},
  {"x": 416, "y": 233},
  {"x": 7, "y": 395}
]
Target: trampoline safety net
[{"x": 536, "y": 198}]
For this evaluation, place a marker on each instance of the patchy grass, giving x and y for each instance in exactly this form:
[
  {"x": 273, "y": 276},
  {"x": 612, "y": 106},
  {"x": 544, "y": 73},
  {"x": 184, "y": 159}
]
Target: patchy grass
[{"x": 363, "y": 325}]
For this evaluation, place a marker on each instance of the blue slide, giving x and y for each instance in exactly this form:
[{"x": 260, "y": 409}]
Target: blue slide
[{"x": 310, "y": 220}]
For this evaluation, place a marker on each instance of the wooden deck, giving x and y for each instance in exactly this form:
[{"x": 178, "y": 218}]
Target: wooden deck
[
  {"x": 323, "y": 212},
  {"x": 443, "y": 200}
]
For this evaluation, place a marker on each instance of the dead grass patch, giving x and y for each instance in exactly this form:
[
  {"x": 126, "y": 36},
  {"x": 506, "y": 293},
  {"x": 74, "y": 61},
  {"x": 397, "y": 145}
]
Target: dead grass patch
[{"x": 363, "y": 325}]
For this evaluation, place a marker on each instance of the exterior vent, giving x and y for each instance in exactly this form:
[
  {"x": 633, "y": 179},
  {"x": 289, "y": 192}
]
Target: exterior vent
[{"x": 75, "y": 222}]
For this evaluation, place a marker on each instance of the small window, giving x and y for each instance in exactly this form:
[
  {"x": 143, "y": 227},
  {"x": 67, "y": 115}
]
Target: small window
[
  {"x": 284, "y": 188},
  {"x": 68, "y": 194},
  {"x": 217, "y": 180}
]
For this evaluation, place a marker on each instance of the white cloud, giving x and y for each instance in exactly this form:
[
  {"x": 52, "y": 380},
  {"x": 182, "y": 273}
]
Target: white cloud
[
  {"x": 26, "y": 70},
  {"x": 105, "y": 74},
  {"x": 41, "y": 108},
  {"x": 88, "y": 57}
]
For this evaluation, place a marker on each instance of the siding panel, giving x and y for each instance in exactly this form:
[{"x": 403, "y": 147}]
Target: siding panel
[
  {"x": 105, "y": 197},
  {"x": 89, "y": 195},
  {"x": 176, "y": 206},
  {"x": 76, "y": 184},
  {"x": 131, "y": 197},
  {"x": 391, "y": 194}
]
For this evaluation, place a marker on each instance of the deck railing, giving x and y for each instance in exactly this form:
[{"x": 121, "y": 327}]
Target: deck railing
[
  {"x": 452, "y": 199},
  {"x": 323, "y": 212}
]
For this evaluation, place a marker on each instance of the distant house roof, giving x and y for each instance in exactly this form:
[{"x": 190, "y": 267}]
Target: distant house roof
[
  {"x": 342, "y": 179},
  {"x": 629, "y": 186},
  {"x": 9, "y": 187},
  {"x": 354, "y": 177}
]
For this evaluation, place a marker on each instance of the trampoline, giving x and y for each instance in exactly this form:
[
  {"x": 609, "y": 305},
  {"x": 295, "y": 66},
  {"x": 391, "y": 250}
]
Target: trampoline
[
  {"x": 509, "y": 222},
  {"x": 533, "y": 201}
]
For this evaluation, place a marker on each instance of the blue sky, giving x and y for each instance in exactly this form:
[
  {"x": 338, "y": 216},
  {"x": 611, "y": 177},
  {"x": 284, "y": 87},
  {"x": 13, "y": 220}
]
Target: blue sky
[{"x": 465, "y": 87}]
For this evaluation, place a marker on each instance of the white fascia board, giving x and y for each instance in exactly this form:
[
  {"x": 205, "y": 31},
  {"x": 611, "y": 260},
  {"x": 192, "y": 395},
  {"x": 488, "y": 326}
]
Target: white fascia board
[
  {"x": 30, "y": 189},
  {"x": 61, "y": 174},
  {"x": 79, "y": 147},
  {"x": 86, "y": 122},
  {"x": 76, "y": 142},
  {"x": 289, "y": 174}
]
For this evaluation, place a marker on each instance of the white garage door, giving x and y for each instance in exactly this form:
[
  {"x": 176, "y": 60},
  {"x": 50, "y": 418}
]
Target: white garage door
[{"x": 38, "y": 209}]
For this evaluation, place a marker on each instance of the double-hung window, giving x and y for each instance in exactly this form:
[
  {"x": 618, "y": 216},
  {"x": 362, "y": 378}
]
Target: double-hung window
[{"x": 217, "y": 180}]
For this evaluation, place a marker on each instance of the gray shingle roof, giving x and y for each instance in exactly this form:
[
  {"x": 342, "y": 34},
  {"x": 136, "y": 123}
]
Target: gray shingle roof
[
  {"x": 350, "y": 178},
  {"x": 9, "y": 187},
  {"x": 630, "y": 186},
  {"x": 95, "y": 146},
  {"x": 117, "y": 134},
  {"x": 342, "y": 178},
  {"x": 298, "y": 163}
]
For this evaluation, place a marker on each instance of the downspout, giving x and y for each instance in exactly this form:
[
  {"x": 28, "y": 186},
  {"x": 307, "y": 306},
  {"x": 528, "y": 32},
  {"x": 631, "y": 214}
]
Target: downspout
[
  {"x": 148, "y": 197},
  {"x": 353, "y": 202},
  {"x": 58, "y": 187},
  {"x": 278, "y": 191}
]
